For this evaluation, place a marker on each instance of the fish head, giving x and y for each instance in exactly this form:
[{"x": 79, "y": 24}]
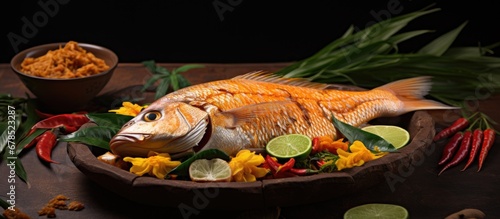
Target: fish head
[{"x": 165, "y": 127}]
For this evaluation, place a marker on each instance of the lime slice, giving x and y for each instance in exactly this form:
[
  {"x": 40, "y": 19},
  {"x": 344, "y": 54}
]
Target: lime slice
[
  {"x": 395, "y": 135},
  {"x": 297, "y": 146},
  {"x": 376, "y": 210},
  {"x": 214, "y": 170}
]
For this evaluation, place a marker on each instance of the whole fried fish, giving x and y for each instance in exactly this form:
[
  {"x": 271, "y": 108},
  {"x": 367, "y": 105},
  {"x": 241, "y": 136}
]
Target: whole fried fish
[{"x": 247, "y": 111}]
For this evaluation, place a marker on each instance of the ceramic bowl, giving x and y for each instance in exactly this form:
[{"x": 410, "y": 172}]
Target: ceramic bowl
[{"x": 65, "y": 95}]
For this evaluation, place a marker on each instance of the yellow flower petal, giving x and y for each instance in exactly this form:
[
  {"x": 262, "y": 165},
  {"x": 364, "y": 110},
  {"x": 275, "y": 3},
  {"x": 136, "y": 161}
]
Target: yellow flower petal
[
  {"x": 128, "y": 109},
  {"x": 244, "y": 166},
  {"x": 156, "y": 165}
]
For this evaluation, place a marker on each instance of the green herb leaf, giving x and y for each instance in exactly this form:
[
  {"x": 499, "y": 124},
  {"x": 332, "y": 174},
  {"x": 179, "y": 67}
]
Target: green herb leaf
[
  {"x": 187, "y": 67},
  {"x": 4, "y": 204},
  {"x": 95, "y": 136},
  {"x": 31, "y": 119},
  {"x": 20, "y": 171},
  {"x": 3, "y": 136},
  {"x": 110, "y": 120},
  {"x": 25, "y": 141},
  {"x": 373, "y": 142},
  {"x": 162, "y": 89},
  {"x": 182, "y": 171}
]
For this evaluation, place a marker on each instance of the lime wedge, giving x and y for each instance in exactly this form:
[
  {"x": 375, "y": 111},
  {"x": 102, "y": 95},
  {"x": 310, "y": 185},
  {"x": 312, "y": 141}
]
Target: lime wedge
[
  {"x": 214, "y": 170},
  {"x": 297, "y": 146},
  {"x": 395, "y": 135},
  {"x": 377, "y": 210}
]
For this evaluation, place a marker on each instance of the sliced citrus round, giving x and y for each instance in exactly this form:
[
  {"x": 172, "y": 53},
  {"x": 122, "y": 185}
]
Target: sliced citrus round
[
  {"x": 395, "y": 135},
  {"x": 377, "y": 210},
  {"x": 297, "y": 146},
  {"x": 213, "y": 170}
]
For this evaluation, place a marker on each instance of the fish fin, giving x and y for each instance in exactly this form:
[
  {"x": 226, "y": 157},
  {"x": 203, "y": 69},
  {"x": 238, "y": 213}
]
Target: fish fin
[
  {"x": 239, "y": 116},
  {"x": 273, "y": 78},
  {"x": 411, "y": 92}
]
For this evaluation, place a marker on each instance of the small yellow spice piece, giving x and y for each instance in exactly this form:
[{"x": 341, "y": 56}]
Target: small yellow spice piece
[
  {"x": 358, "y": 156},
  {"x": 245, "y": 166},
  {"x": 128, "y": 109},
  {"x": 156, "y": 164}
]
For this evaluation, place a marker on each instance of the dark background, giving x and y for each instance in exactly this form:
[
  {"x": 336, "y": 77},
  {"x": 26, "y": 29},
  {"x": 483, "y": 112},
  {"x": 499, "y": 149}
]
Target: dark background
[{"x": 250, "y": 31}]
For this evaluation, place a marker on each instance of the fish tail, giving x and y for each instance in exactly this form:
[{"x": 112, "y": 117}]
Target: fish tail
[{"x": 412, "y": 92}]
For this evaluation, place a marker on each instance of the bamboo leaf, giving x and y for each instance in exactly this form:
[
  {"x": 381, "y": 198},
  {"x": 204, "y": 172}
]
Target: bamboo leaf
[{"x": 439, "y": 45}]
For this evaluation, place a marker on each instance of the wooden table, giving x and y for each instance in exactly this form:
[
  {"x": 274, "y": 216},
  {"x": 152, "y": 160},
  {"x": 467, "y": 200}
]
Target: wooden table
[{"x": 418, "y": 188}]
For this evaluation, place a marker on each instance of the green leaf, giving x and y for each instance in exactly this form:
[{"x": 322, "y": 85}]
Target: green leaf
[
  {"x": 25, "y": 141},
  {"x": 187, "y": 67},
  {"x": 174, "y": 82},
  {"x": 373, "y": 142},
  {"x": 162, "y": 70},
  {"x": 20, "y": 171},
  {"x": 182, "y": 171},
  {"x": 150, "y": 65},
  {"x": 183, "y": 82},
  {"x": 31, "y": 119},
  {"x": 150, "y": 82},
  {"x": 4, "y": 204},
  {"x": 439, "y": 45},
  {"x": 111, "y": 120},
  {"x": 162, "y": 89},
  {"x": 94, "y": 136},
  {"x": 3, "y": 136}
]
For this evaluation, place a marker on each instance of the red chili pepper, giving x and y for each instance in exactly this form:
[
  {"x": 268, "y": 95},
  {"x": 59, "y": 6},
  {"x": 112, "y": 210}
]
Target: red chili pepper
[
  {"x": 458, "y": 125},
  {"x": 280, "y": 170},
  {"x": 315, "y": 144},
  {"x": 450, "y": 148},
  {"x": 43, "y": 115},
  {"x": 488, "y": 140},
  {"x": 286, "y": 166},
  {"x": 273, "y": 164},
  {"x": 45, "y": 145},
  {"x": 61, "y": 120},
  {"x": 462, "y": 152},
  {"x": 33, "y": 142},
  {"x": 303, "y": 172},
  {"x": 477, "y": 138}
]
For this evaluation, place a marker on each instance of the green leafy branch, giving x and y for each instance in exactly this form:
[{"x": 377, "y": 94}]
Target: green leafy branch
[
  {"x": 371, "y": 57},
  {"x": 167, "y": 79}
]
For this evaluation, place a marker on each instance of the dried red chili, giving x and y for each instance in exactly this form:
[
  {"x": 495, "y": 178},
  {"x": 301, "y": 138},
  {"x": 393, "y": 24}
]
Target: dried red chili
[
  {"x": 462, "y": 152},
  {"x": 477, "y": 138},
  {"x": 458, "y": 125},
  {"x": 488, "y": 140},
  {"x": 450, "y": 148},
  {"x": 45, "y": 145}
]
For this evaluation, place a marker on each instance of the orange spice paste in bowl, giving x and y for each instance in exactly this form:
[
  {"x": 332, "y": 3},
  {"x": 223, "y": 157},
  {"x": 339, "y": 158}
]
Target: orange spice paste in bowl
[{"x": 70, "y": 61}]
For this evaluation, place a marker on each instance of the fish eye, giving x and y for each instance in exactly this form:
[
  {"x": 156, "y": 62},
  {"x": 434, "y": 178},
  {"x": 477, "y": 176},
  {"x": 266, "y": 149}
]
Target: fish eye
[{"x": 152, "y": 116}]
